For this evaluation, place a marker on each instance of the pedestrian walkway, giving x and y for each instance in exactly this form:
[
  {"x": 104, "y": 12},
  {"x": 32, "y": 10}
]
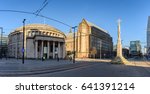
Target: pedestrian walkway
[
  {"x": 93, "y": 60},
  {"x": 142, "y": 62},
  {"x": 132, "y": 61},
  {"x": 16, "y": 65}
]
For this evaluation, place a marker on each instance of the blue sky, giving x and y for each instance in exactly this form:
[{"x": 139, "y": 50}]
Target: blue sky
[{"x": 104, "y": 13}]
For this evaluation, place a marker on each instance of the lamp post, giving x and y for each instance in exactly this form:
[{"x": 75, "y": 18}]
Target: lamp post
[
  {"x": 23, "y": 41},
  {"x": 74, "y": 43}
]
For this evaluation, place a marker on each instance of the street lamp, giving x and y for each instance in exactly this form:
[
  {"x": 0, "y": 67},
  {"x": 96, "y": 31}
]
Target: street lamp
[
  {"x": 74, "y": 43},
  {"x": 23, "y": 41}
]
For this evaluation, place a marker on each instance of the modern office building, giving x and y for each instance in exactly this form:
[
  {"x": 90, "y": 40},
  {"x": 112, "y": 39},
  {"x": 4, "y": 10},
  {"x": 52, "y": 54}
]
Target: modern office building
[
  {"x": 91, "y": 41},
  {"x": 40, "y": 40},
  {"x": 135, "y": 48},
  {"x": 3, "y": 46},
  {"x": 4, "y": 40},
  {"x": 145, "y": 50},
  {"x": 148, "y": 36}
]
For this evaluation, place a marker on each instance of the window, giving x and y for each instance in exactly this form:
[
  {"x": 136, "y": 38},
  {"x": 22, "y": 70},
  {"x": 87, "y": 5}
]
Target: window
[
  {"x": 33, "y": 33},
  {"x": 51, "y": 48},
  {"x": 29, "y": 33},
  {"x": 47, "y": 33},
  {"x": 39, "y": 32}
]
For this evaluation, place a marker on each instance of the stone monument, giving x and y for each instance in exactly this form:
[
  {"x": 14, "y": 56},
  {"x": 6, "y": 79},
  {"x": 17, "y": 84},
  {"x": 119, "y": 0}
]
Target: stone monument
[{"x": 119, "y": 59}]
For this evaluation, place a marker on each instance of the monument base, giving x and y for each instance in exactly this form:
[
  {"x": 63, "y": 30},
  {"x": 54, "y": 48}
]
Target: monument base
[{"x": 119, "y": 60}]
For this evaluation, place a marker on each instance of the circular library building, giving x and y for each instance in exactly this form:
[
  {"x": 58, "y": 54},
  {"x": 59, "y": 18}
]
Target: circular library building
[{"x": 40, "y": 40}]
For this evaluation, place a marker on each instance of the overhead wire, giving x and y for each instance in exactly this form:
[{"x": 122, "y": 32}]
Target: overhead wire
[
  {"x": 39, "y": 15},
  {"x": 45, "y": 1},
  {"x": 44, "y": 4}
]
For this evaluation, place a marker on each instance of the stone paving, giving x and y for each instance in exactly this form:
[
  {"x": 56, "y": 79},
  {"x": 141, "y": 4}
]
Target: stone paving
[
  {"x": 16, "y": 65},
  {"x": 132, "y": 62},
  {"x": 139, "y": 62}
]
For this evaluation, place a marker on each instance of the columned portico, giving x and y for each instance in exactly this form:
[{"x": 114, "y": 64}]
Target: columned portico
[{"x": 49, "y": 49}]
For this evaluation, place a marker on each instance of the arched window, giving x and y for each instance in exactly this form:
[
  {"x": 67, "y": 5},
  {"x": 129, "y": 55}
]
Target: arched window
[
  {"x": 44, "y": 33},
  {"x": 50, "y": 34},
  {"x": 47, "y": 33}
]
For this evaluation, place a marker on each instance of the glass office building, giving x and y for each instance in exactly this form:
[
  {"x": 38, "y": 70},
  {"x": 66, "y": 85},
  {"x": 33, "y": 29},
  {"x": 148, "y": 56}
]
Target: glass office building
[{"x": 135, "y": 48}]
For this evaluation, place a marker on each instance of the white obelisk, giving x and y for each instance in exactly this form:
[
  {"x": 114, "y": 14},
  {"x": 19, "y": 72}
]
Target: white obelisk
[
  {"x": 119, "y": 45},
  {"x": 119, "y": 59}
]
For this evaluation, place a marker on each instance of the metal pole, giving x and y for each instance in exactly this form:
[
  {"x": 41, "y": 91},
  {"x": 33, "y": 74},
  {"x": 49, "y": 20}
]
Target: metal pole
[
  {"x": 23, "y": 41},
  {"x": 74, "y": 53}
]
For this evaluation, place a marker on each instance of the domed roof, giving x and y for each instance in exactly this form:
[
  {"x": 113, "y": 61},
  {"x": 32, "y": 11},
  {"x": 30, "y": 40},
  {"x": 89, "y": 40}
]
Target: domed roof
[{"x": 39, "y": 26}]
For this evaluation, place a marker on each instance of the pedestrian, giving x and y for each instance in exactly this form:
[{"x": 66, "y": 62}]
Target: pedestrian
[
  {"x": 42, "y": 58},
  {"x": 57, "y": 58},
  {"x": 70, "y": 58}
]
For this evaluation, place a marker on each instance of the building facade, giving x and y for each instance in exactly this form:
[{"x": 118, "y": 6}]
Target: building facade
[
  {"x": 148, "y": 36},
  {"x": 145, "y": 50},
  {"x": 40, "y": 40},
  {"x": 3, "y": 46},
  {"x": 92, "y": 41},
  {"x": 135, "y": 48}
]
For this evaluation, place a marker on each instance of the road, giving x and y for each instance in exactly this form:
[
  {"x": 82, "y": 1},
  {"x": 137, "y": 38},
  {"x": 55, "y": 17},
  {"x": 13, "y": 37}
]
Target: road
[
  {"x": 82, "y": 68},
  {"x": 95, "y": 69}
]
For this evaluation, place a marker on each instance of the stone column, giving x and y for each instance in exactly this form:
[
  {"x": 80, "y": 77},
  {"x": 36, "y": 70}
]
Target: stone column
[
  {"x": 47, "y": 49},
  {"x": 42, "y": 50},
  {"x": 53, "y": 49},
  {"x": 59, "y": 50},
  {"x": 64, "y": 50},
  {"x": 36, "y": 47}
]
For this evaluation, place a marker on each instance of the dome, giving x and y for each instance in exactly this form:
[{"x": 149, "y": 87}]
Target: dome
[{"x": 40, "y": 27}]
